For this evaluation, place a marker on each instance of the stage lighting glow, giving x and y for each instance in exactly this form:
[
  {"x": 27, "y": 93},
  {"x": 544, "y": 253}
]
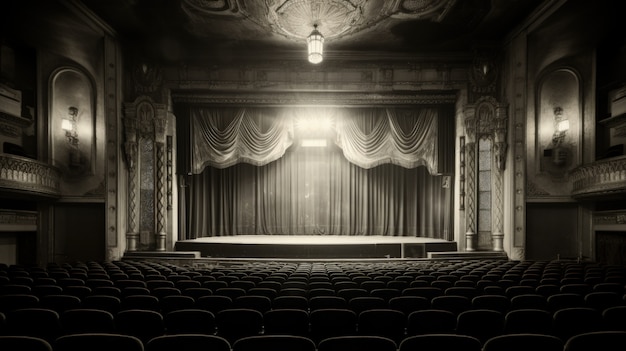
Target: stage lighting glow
[{"x": 314, "y": 143}]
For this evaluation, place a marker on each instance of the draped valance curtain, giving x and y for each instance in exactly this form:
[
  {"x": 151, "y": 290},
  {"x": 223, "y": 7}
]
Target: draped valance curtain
[
  {"x": 368, "y": 137},
  {"x": 248, "y": 173}
]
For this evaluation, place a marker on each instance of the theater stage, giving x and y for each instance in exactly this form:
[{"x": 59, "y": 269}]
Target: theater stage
[{"x": 315, "y": 246}]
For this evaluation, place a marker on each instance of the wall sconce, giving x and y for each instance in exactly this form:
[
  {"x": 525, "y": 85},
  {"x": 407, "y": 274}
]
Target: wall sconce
[
  {"x": 68, "y": 124},
  {"x": 559, "y": 152}
]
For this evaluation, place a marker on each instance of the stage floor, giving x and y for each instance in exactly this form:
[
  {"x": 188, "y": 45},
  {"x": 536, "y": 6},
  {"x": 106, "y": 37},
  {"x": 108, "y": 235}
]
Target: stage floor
[{"x": 315, "y": 246}]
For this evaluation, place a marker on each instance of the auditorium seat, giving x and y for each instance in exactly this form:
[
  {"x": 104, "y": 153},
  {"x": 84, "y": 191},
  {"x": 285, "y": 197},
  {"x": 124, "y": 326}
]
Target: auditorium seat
[
  {"x": 98, "y": 342},
  {"x": 357, "y": 343},
  {"x": 408, "y": 304},
  {"x": 274, "y": 342},
  {"x": 87, "y": 320},
  {"x": 438, "y": 342},
  {"x": 294, "y": 301},
  {"x": 614, "y": 318},
  {"x": 386, "y": 293},
  {"x": 321, "y": 292},
  {"x": 480, "y": 323},
  {"x": 332, "y": 322},
  {"x": 60, "y": 302},
  {"x": 324, "y": 302},
  {"x": 42, "y": 290},
  {"x": 600, "y": 300},
  {"x": 286, "y": 322},
  {"x": 145, "y": 302},
  {"x": 564, "y": 300},
  {"x": 598, "y": 340},
  {"x": 10, "y": 302},
  {"x": 533, "y": 321},
  {"x": 236, "y": 323},
  {"x": 176, "y": 302},
  {"x": 498, "y": 303},
  {"x": 143, "y": 324},
  {"x": 23, "y": 343},
  {"x": 36, "y": 322},
  {"x": 532, "y": 300},
  {"x": 523, "y": 342},
  {"x": 453, "y": 303},
  {"x": 568, "y": 322},
  {"x": 188, "y": 342},
  {"x": 361, "y": 303},
  {"x": 190, "y": 321},
  {"x": 255, "y": 302},
  {"x": 261, "y": 291},
  {"x": 382, "y": 322},
  {"x": 430, "y": 321},
  {"x": 428, "y": 292}
]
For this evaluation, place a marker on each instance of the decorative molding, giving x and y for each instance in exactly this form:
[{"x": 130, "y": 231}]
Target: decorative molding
[
  {"x": 20, "y": 174},
  {"x": 314, "y": 99},
  {"x": 14, "y": 220},
  {"x": 605, "y": 177},
  {"x": 609, "y": 218},
  {"x": 294, "y": 19},
  {"x": 533, "y": 190}
]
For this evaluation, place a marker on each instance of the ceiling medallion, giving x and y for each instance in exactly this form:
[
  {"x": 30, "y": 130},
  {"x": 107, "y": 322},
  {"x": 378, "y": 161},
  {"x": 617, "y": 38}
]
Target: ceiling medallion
[{"x": 294, "y": 18}]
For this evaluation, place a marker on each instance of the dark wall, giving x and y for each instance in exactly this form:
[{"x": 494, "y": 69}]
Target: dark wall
[
  {"x": 79, "y": 232},
  {"x": 552, "y": 231}
]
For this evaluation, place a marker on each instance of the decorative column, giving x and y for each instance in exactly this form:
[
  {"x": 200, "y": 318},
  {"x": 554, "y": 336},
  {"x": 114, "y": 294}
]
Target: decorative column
[
  {"x": 470, "y": 179},
  {"x": 145, "y": 125},
  {"x": 160, "y": 234},
  {"x": 130, "y": 149},
  {"x": 500, "y": 147}
]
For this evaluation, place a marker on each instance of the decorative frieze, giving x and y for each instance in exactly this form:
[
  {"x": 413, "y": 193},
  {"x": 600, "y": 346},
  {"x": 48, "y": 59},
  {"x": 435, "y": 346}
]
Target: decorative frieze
[
  {"x": 600, "y": 177},
  {"x": 21, "y": 174}
]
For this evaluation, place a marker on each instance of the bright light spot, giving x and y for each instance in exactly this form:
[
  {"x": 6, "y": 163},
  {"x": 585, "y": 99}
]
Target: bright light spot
[{"x": 313, "y": 143}]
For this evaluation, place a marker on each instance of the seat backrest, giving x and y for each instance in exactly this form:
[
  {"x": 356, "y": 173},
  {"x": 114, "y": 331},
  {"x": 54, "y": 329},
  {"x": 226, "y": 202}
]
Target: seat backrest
[
  {"x": 357, "y": 342},
  {"x": 604, "y": 340},
  {"x": 98, "y": 342},
  {"x": 523, "y": 342},
  {"x": 188, "y": 342},
  {"x": 286, "y": 322},
  {"x": 190, "y": 321},
  {"x": 22, "y": 343},
  {"x": 430, "y": 321},
  {"x": 86, "y": 320},
  {"x": 274, "y": 342},
  {"x": 438, "y": 342}
]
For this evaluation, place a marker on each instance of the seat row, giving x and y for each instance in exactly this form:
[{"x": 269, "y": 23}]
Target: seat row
[
  {"x": 610, "y": 341},
  {"x": 233, "y": 324},
  {"x": 416, "y": 299}
]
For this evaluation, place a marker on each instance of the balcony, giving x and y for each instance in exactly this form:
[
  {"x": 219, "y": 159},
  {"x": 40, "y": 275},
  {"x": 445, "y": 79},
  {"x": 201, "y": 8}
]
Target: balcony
[
  {"x": 25, "y": 176},
  {"x": 603, "y": 178}
]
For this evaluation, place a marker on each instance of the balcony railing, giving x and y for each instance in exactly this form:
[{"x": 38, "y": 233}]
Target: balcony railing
[
  {"x": 24, "y": 175},
  {"x": 600, "y": 178}
]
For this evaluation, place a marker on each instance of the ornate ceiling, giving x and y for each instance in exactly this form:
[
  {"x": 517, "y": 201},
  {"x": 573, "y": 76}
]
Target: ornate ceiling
[{"x": 178, "y": 29}]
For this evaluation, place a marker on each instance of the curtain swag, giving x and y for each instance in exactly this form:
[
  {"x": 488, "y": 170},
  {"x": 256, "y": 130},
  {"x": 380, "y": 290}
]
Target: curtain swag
[{"x": 222, "y": 137}]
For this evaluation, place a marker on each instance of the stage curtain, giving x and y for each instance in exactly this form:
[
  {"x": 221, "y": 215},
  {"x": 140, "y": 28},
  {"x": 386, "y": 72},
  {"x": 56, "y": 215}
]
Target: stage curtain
[
  {"x": 320, "y": 191},
  {"x": 223, "y": 137},
  {"x": 405, "y": 137},
  {"x": 317, "y": 191}
]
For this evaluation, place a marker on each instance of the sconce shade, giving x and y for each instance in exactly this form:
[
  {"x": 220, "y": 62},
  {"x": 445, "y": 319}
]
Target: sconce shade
[
  {"x": 66, "y": 124},
  {"x": 315, "y": 43},
  {"x": 562, "y": 126}
]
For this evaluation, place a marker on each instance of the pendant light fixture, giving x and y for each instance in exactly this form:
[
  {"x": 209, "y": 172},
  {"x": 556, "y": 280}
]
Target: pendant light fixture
[{"x": 315, "y": 43}]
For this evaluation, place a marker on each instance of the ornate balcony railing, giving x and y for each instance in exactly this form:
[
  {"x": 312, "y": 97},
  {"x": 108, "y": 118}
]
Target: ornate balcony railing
[
  {"x": 25, "y": 175},
  {"x": 604, "y": 177}
]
